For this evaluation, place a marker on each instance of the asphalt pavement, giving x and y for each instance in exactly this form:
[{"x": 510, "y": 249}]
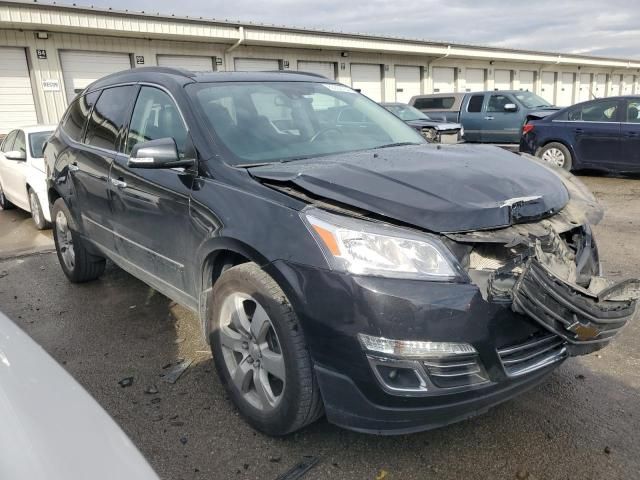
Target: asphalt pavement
[{"x": 582, "y": 423}]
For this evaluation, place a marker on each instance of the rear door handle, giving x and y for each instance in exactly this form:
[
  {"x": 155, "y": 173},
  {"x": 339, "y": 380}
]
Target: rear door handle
[
  {"x": 488, "y": 118},
  {"x": 632, "y": 134},
  {"x": 118, "y": 183},
  {"x": 579, "y": 131}
]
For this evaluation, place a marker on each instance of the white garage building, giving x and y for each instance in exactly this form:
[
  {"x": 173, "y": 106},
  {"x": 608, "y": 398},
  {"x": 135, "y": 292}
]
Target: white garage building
[{"x": 48, "y": 53}]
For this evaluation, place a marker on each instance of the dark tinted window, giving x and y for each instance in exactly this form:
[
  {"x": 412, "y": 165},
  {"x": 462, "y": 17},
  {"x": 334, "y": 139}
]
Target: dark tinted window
[
  {"x": 475, "y": 103},
  {"x": 36, "y": 143},
  {"x": 436, "y": 103},
  {"x": 21, "y": 143},
  {"x": 497, "y": 103},
  {"x": 603, "y": 111},
  {"x": 77, "y": 115},
  {"x": 7, "y": 144},
  {"x": 109, "y": 116},
  {"x": 155, "y": 116}
]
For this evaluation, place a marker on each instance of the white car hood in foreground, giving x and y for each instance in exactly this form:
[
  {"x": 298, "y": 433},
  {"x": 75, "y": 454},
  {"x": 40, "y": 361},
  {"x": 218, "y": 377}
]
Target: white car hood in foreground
[{"x": 50, "y": 427}]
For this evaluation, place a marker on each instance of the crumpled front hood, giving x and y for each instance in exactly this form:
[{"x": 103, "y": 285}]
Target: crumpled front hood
[
  {"x": 440, "y": 126},
  {"x": 441, "y": 188}
]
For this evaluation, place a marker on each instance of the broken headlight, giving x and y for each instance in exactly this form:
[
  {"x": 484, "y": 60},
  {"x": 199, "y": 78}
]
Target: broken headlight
[{"x": 369, "y": 248}]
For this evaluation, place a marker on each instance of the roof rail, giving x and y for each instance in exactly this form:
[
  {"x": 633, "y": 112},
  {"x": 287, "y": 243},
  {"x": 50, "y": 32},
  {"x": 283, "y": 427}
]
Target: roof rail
[
  {"x": 297, "y": 72},
  {"x": 172, "y": 70}
]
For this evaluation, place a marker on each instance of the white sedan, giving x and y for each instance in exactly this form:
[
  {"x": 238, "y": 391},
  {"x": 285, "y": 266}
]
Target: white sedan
[{"x": 23, "y": 173}]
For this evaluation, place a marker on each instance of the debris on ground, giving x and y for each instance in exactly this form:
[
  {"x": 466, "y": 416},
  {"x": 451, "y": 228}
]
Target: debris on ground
[
  {"x": 126, "y": 382},
  {"x": 183, "y": 440},
  {"x": 275, "y": 458},
  {"x": 3, "y": 273},
  {"x": 297, "y": 471},
  {"x": 580, "y": 376},
  {"x": 382, "y": 475},
  {"x": 174, "y": 372},
  {"x": 151, "y": 390},
  {"x": 607, "y": 450},
  {"x": 522, "y": 475},
  {"x": 179, "y": 340}
]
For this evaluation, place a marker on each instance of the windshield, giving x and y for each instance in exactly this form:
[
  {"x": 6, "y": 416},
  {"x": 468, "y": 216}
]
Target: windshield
[
  {"x": 531, "y": 100},
  {"x": 406, "y": 112},
  {"x": 36, "y": 143},
  {"x": 261, "y": 122}
]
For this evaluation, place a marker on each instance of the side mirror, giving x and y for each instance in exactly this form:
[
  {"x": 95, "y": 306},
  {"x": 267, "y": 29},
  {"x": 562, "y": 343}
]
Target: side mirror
[
  {"x": 510, "y": 107},
  {"x": 160, "y": 153},
  {"x": 16, "y": 155}
]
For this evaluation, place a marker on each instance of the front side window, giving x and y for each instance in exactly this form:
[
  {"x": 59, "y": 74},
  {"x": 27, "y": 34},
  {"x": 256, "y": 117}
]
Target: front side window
[
  {"x": 109, "y": 116},
  {"x": 36, "y": 143},
  {"x": 406, "y": 112},
  {"x": 278, "y": 121},
  {"x": 531, "y": 100},
  {"x": 633, "y": 112},
  {"x": 20, "y": 143},
  {"x": 78, "y": 114},
  {"x": 604, "y": 111},
  {"x": 475, "y": 103},
  {"x": 156, "y": 116},
  {"x": 7, "y": 144},
  {"x": 497, "y": 103}
]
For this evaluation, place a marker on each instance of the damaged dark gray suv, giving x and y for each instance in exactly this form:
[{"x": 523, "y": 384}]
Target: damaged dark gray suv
[{"x": 339, "y": 263}]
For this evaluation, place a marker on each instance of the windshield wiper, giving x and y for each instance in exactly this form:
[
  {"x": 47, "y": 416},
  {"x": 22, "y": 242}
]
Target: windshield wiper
[{"x": 399, "y": 144}]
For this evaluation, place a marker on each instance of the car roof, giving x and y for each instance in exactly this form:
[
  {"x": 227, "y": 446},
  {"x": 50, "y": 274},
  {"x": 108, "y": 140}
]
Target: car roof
[
  {"x": 183, "y": 76},
  {"x": 38, "y": 128}
]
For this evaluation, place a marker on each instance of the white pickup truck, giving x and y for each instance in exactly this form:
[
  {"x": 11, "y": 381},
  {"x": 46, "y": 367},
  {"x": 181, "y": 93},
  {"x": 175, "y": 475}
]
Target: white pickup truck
[{"x": 22, "y": 173}]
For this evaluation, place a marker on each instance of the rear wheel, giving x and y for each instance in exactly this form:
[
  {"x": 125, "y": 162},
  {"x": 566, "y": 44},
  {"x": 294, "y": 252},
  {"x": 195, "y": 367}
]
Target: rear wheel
[
  {"x": 556, "y": 154},
  {"x": 36, "y": 211},
  {"x": 4, "y": 203},
  {"x": 77, "y": 263},
  {"x": 260, "y": 352}
]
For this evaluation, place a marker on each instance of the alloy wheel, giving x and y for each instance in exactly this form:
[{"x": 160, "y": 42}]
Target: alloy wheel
[
  {"x": 252, "y": 352},
  {"x": 554, "y": 156},
  {"x": 65, "y": 241}
]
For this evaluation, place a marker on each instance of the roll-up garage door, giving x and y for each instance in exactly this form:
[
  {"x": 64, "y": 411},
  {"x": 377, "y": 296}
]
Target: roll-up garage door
[
  {"x": 502, "y": 80},
  {"x": 17, "y": 108},
  {"x": 407, "y": 83},
  {"x": 614, "y": 90},
  {"x": 601, "y": 85},
  {"x": 326, "y": 69},
  {"x": 193, "y": 63},
  {"x": 367, "y": 79},
  {"x": 548, "y": 86},
  {"x": 474, "y": 80},
  {"x": 628, "y": 85},
  {"x": 79, "y": 69},
  {"x": 565, "y": 94},
  {"x": 527, "y": 80},
  {"x": 584, "y": 91},
  {"x": 256, "y": 64},
  {"x": 444, "y": 80}
]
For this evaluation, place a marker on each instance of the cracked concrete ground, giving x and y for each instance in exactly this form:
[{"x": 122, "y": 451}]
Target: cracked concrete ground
[{"x": 582, "y": 423}]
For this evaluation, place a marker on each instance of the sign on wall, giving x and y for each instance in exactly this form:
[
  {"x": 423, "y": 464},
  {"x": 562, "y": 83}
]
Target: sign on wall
[
  {"x": 51, "y": 85},
  {"x": 41, "y": 53},
  {"x": 139, "y": 59}
]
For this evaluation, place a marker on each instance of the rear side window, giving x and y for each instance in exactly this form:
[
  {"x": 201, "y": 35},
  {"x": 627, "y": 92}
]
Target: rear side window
[
  {"x": 475, "y": 103},
  {"x": 109, "y": 116},
  {"x": 603, "y": 111},
  {"x": 36, "y": 143},
  {"x": 633, "y": 112},
  {"x": 77, "y": 115},
  {"x": 155, "y": 116},
  {"x": 436, "y": 103}
]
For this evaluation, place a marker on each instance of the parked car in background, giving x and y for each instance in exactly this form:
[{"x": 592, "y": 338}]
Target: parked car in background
[
  {"x": 602, "y": 134},
  {"x": 339, "y": 262},
  {"x": 51, "y": 427},
  {"x": 433, "y": 130},
  {"x": 22, "y": 173},
  {"x": 487, "y": 117}
]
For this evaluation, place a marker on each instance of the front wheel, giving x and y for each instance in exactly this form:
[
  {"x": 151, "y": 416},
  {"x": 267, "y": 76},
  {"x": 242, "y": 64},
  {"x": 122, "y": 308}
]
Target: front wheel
[
  {"x": 260, "y": 353},
  {"x": 36, "y": 212},
  {"x": 77, "y": 263},
  {"x": 556, "y": 154}
]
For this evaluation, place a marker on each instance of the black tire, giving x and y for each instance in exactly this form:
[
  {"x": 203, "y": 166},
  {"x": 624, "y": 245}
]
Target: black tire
[
  {"x": 4, "y": 203},
  {"x": 36, "y": 211},
  {"x": 86, "y": 266},
  {"x": 567, "y": 162},
  {"x": 300, "y": 403}
]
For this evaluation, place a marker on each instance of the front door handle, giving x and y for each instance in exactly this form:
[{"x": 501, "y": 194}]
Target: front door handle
[
  {"x": 73, "y": 167},
  {"x": 632, "y": 134},
  {"x": 118, "y": 183},
  {"x": 579, "y": 131},
  {"x": 488, "y": 118}
]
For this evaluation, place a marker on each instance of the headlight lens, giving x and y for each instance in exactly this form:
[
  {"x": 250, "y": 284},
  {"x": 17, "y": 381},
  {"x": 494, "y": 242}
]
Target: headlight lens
[{"x": 367, "y": 248}]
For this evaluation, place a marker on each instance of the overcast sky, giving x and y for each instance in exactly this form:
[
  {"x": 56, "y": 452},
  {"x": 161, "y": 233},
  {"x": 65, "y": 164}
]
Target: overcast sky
[{"x": 593, "y": 27}]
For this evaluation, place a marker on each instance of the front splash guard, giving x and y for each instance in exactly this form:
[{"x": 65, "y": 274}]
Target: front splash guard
[{"x": 585, "y": 320}]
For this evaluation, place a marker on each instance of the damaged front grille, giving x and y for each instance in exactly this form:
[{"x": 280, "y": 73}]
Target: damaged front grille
[{"x": 536, "y": 353}]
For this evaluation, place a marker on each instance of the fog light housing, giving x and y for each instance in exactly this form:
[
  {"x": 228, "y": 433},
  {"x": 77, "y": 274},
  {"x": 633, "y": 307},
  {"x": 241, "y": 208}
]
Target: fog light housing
[{"x": 413, "y": 348}]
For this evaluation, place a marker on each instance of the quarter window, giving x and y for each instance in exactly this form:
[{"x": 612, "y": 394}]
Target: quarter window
[
  {"x": 108, "y": 117},
  {"x": 77, "y": 115},
  {"x": 633, "y": 112},
  {"x": 155, "y": 116},
  {"x": 475, "y": 104},
  {"x": 605, "y": 111}
]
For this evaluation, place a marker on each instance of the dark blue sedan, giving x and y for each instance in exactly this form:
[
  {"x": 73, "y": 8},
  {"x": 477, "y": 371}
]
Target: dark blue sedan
[{"x": 602, "y": 134}]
